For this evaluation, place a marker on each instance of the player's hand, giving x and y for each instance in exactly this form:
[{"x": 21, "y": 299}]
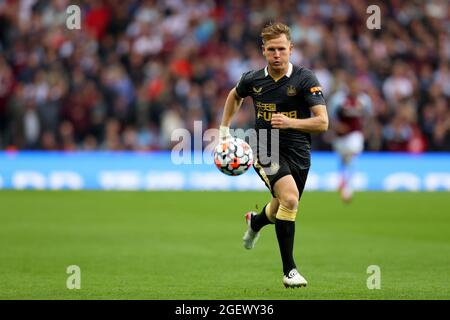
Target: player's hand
[
  {"x": 224, "y": 134},
  {"x": 280, "y": 121}
]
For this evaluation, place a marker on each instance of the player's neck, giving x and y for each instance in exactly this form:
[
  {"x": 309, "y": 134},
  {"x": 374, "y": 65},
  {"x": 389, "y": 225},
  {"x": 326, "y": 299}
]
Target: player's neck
[{"x": 276, "y": 75}]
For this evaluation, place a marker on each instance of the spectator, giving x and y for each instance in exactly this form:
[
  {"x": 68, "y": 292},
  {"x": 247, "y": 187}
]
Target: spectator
[{"x": 137, "y": 70}]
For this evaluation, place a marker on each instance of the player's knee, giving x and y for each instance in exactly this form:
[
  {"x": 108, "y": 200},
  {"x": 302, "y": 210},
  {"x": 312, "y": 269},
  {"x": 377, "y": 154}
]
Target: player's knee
[
  {"x": 285, "y": 213},
  {"x": 290, "y": 201}
]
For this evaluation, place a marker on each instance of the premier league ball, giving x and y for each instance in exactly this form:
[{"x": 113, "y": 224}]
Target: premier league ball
[{"x": 233, "y": 157}]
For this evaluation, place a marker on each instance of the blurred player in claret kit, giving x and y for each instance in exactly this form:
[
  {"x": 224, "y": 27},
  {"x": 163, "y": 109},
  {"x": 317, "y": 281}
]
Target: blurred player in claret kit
[
  {"x": 287, "y": 98},
  {"x": 349, "y": 109}
]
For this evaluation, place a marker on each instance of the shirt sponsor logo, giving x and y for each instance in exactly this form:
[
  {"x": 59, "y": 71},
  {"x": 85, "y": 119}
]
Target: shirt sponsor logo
[
  {"x": 265, "y": 110},
  {"x": 266, "y": 106}
]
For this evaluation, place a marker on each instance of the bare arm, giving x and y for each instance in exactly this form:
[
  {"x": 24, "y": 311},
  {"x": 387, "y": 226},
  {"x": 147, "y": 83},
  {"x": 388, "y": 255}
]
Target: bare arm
[
  {"x": 317, "y": 123},
  {"x": 232, "y": 105}
]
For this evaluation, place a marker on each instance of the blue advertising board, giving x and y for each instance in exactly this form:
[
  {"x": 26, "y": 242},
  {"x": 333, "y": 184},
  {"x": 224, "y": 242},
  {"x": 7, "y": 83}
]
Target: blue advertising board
[{"x": 161, "y": 171}]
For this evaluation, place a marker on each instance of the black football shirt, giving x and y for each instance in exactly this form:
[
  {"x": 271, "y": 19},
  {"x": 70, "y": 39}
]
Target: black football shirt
[{"x": 292, "y": 95}]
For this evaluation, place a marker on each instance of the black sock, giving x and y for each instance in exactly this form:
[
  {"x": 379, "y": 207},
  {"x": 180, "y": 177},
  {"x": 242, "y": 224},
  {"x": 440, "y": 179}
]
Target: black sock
[
  {"x": 260, "y": 220},
  {"x": 285, "y": 231}
]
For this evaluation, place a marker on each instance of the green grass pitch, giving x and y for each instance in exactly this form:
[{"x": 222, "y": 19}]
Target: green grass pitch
[{"x": 187, "y": 245}]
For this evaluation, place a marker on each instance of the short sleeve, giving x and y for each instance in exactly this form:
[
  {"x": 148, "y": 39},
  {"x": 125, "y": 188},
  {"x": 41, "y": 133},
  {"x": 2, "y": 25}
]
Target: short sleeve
[
  {"x": 242, "y": 87},
  {"x": 311, "y": 89}
]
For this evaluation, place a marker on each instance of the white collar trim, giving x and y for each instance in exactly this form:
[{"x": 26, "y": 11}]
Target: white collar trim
[{"x": 288, "y": 74}]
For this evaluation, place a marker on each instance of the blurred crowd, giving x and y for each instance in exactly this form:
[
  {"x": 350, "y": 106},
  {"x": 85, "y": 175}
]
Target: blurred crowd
[{"x": 137, "y": 70}]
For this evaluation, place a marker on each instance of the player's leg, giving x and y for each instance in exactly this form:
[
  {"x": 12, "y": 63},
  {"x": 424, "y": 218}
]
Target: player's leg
[
  {"x": 289, "y": 190},
  {"x": 345, "y": 187},
  {"x": 352, "y": 145},
  {"x": 255, "y": 222},
  {"x": 287, "y": 193},
  {"x": 266, "y": 216},
  {"x": 344, "y": 166},
  {"x": 340, "y": 147}
]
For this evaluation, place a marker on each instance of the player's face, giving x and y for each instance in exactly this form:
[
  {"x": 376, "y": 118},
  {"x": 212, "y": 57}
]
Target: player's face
[{"x": 277, "y": 52}]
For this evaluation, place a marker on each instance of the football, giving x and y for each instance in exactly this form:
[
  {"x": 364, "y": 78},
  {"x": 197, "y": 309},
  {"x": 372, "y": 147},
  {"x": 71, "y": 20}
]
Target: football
[{"x": 233, "y": 157}]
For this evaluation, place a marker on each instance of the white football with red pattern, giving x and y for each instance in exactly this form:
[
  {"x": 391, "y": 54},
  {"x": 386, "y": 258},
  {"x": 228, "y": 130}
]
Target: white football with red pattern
[{"x": 233, "y": 157}]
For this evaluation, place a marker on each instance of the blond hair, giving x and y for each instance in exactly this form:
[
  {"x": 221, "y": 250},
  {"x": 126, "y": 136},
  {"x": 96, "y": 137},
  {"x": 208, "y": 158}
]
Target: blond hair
[{"x": 274, "y": 30}]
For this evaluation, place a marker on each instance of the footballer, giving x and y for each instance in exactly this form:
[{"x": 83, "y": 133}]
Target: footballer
[
  {"x": 349, "y": 109},
  {"x": 288, "y": 102}
]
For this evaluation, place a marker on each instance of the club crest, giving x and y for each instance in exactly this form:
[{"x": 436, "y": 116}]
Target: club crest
[{"x": 291, "y": 91}]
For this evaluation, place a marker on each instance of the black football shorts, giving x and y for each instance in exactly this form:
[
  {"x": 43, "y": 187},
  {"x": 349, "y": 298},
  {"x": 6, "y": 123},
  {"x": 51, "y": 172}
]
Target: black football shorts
[{"x": 271, "y": 172}]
